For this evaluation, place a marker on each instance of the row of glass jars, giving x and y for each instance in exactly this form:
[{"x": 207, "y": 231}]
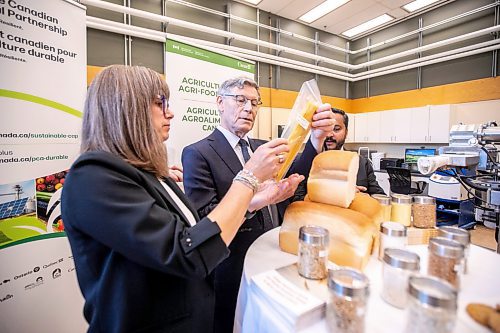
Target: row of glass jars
[
  {"x": 400, "y": 208},
  {"x": 448, "y": 252},
  {"x": 432, "y": 301}
]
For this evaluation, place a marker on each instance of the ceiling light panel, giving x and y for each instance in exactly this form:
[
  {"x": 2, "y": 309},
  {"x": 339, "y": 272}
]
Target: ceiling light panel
[
  {"x": 322, "y": 10},
  {"x": 418, "y": 4},
  {"x": 253, "y": 2},
  {"x": 368, "y": 25}
]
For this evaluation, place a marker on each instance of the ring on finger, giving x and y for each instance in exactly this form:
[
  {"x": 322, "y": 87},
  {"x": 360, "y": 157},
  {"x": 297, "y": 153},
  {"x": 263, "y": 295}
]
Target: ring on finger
[{"x": 281, "y": 159}]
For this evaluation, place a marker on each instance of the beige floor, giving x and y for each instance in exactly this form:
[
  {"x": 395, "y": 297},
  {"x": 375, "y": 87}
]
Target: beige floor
[{"x": 484, "y": 237}]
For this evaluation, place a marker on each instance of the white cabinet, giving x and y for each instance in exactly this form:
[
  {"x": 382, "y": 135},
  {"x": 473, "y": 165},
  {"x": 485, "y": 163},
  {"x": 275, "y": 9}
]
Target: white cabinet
[
  {"x": 367, "y": 127},
  {"x": 440, "y": 117},
  {"x": 419, "y": 130},
  {"x": 395, "y": 126},
  {"x": 351, "y": 127},
  {"x": 426, "y": 124},
  {"x": 431, "y": 124}
]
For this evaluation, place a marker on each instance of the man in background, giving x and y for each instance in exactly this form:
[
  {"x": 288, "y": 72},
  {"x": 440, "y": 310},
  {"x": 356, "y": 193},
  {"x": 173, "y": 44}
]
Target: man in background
[
  {"x": 211, "y": 164},
  {"x": 366, "y": 181}
]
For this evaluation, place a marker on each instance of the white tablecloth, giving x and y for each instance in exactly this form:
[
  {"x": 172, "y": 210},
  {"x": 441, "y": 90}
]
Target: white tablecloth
[{"x": 480, "y": 285}]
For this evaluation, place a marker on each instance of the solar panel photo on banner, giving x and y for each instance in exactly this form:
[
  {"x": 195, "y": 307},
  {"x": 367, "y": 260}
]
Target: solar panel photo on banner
[{"x": 12, "y": 208}]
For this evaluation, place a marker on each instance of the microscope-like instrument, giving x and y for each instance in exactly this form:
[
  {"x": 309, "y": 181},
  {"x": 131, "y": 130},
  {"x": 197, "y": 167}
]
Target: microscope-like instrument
[{"x": 471, "y": 160}]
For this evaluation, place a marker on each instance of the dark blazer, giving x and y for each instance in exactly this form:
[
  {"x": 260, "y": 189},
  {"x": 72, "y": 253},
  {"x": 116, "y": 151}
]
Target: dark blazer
[
  {"x": 365, "y": 177},
  {"x": 140, "y": 265},
  {"x": 209, "y": 168}
]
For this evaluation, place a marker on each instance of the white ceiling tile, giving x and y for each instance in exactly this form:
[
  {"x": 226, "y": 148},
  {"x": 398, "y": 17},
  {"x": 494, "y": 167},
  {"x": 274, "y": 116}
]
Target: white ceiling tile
[
  {"x": 398, "y": 13},
  {"x": 297, "y": 8},
  {"x": 361, "y": 16},
  {"x": 392, "y": 4},
  {"x": 343, "y": 18},
  {"x": 273, "y": 6}
]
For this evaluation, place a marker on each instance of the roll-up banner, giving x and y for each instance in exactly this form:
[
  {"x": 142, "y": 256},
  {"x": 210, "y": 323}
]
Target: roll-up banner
[
  {"x": 42, "y": 91},
  {"x": 194, "y": 75}
]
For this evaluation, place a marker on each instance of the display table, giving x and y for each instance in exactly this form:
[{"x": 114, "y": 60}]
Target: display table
[{"x": 253, "y": 315}]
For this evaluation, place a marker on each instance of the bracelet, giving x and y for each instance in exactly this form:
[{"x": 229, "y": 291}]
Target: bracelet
[{"x": 247, "y": 178}]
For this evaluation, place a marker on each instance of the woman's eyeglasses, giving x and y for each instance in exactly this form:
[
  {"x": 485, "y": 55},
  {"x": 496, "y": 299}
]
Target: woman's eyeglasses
[
  {"x": 165, "y": 105},
  {"x": 241, "y": 100}
]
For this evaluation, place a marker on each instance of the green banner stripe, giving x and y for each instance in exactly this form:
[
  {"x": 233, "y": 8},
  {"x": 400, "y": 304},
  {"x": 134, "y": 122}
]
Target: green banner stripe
[
  {"x": 39, "y": 100},
  {"x": 187, "y": 50},
  {"x": 34, "y": 238}
]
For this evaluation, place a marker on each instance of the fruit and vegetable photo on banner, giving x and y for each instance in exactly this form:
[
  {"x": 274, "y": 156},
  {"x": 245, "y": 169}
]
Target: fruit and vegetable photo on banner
[
  {"x": 42, "y": 91},
  {"x": 194, "y": 75}
]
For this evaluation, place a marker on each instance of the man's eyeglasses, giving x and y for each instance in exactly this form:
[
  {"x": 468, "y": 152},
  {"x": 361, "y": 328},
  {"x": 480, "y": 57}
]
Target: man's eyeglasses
[
  {"x": 241, "y": 100},
  {"x": 164, "y": 104}
]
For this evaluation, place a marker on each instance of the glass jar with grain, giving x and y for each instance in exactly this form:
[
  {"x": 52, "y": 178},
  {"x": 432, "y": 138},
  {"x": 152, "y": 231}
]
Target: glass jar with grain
[
  {"x": 460, "y": 235},
  {"x": 398, "y": 266},
  {"x": 401, "y": 208},
  {"x": 424, "y": 212},
  {"x": 385, "y": 202},
  {"x": 392, "y": 235},
  {"x": 349, "y": 290},
  {"x": 445, "y": 260},
  {"x": 313, "y": 252},
  {"x": 432, "y": 305}
]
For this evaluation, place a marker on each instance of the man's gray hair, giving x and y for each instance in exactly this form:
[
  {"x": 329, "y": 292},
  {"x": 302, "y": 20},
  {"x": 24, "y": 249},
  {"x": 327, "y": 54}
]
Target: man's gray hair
[{"x": 238, "y": 82}]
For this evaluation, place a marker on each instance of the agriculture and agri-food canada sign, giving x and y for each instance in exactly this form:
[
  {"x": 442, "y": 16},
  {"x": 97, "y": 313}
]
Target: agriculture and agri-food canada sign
[
  {"x": 194, "y": 75},
  {"x": 42, "y": 90}
]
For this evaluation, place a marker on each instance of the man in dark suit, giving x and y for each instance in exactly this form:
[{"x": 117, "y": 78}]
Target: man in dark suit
[
  {"x": 210, "y": 166},
  {"x": 366, "y": 180}
]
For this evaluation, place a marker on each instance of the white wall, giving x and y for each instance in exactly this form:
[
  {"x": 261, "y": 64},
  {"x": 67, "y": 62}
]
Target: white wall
[{"x": 478, "y": 112}]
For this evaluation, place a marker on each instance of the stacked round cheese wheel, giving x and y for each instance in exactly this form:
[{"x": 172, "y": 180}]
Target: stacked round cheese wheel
[{"x": 332, "y": 202}]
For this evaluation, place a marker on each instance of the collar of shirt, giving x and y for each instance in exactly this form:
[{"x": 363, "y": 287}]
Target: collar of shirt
[{"x": 233, "y": 140}]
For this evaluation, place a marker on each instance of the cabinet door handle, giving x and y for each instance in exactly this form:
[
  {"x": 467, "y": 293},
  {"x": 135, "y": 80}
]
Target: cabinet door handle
[
  {"x": 425, "y": 140},
  {"x": 430, "y": 138}
]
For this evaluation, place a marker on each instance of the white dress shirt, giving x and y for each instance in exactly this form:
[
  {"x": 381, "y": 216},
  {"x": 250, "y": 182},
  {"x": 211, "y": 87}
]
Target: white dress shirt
[{"x": 234, "y": 140}]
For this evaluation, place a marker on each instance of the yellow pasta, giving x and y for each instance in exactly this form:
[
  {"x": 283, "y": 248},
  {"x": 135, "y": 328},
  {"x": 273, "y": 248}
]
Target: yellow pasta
[{"x": 296, "y": 138}]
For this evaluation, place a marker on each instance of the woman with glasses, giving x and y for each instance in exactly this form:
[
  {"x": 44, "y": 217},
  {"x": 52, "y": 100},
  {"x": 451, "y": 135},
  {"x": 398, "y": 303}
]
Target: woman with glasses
[{"x": 142, "y": 255}]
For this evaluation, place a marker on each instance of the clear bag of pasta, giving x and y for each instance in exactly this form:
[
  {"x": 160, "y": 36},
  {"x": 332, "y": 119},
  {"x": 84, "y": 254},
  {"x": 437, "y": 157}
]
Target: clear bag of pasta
[{"x": 299, "y": 122}]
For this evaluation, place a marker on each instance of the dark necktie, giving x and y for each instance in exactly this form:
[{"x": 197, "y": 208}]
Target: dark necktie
[
  {"x": 244, "y": 149},
  {"x": 266, "y": 215}
]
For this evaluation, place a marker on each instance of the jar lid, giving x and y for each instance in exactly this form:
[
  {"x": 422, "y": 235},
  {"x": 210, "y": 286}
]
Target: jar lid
[
  {"x": 348, "y": 282},
  {"x": 400, "y": 198},
  {"x": 433, "y": 291},
  {"x": 446, "y": 247},
  {"x": 382, "y": 199},
  {"x": 457, "y": 234},
  {"x": 314, "y": 235},
  {"x": 423, "y": 199},
  {"x": 402, "y": 259},
  {"x": 393, "y": 229}
]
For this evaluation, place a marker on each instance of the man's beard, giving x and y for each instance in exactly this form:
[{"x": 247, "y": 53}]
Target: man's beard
[{"x": 332, "y": 142}]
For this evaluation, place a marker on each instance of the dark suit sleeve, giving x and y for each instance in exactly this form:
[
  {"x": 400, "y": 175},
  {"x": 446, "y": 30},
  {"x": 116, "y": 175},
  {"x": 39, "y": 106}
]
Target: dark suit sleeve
[
  {"x": 199, "y": 184},
  {"x": 301, "y": 191},
  {"x": 119, "y": 212},
  {"x": 373, "y": 186},
  {"x": 303, "y": 162}
]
